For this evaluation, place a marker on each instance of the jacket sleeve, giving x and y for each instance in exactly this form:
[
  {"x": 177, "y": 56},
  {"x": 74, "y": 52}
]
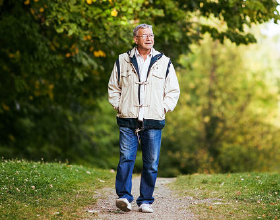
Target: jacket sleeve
[
  {"x": 171, "y": 91},
  {"x": 114, "y": 91}
]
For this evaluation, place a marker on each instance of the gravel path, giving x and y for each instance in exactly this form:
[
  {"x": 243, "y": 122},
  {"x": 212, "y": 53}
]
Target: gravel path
[{"x": 166, "y": 205}]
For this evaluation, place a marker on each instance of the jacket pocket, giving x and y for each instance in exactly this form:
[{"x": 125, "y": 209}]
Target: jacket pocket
[
  {"x": 125, "y": 78},
  {"x": 157, "y": 79}
]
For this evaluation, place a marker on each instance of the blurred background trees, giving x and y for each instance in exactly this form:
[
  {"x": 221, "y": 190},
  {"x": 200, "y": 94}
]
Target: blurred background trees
[
  {"x": 56, "y": 58},
  {"x": 228, "y": 111}
]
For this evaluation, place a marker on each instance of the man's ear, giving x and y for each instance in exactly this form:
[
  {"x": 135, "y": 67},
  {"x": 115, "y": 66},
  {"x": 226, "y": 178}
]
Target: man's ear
[{"x": 135, "y": 40}]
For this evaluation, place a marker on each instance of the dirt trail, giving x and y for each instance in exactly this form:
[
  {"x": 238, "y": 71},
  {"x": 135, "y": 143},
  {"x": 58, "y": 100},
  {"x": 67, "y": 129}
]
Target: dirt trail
[{"x": 166, "y": 205}]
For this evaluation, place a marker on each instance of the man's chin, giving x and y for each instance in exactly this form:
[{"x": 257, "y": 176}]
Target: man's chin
[{"x": 148, "y": 47}]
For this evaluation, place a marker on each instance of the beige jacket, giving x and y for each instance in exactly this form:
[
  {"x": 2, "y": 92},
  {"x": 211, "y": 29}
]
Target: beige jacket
[{"x": 161, "y": 87}]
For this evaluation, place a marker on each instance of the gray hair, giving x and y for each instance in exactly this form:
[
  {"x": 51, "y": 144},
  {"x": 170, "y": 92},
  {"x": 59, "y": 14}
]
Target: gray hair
[{"x": 141, "y": 26}]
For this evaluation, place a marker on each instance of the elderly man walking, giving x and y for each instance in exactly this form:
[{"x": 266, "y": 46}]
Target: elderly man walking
[{"x": 142, "y": 88}]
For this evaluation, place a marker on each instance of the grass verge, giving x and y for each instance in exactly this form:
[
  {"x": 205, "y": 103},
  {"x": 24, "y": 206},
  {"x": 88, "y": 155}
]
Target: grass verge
[
  {"x": 37, "y": 190},
  {"x": 232, "y": 196}
]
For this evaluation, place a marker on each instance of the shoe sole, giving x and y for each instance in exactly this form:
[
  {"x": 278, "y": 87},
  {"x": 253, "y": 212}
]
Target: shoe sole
[
  {"x": 141, "y": 210},
  {"x": 123, "y": 206}
]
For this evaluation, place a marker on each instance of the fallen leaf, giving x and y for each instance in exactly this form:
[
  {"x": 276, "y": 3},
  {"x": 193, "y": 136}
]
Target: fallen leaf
[
  {"x": 102, "y": 181},
  {"x": 238, "y": 193},
  {"x": 92, "y": 211}
]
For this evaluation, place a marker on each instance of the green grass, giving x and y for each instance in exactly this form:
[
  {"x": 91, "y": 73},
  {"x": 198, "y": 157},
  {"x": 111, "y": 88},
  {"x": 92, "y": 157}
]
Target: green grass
[
  {"x": 232, "y": 196},
  {"x": 37, "y": 190}
]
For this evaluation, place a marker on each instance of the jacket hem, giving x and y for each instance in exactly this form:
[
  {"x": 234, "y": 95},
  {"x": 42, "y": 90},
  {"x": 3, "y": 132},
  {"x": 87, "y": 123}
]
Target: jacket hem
[{"x": 147, "y": 123}]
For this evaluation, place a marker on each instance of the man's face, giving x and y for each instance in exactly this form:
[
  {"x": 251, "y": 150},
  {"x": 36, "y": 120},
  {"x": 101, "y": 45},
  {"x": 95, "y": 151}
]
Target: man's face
[{"x": 146, "y": 42}]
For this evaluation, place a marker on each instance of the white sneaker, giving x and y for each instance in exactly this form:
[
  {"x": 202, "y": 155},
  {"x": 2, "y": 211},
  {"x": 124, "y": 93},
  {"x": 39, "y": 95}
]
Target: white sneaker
[
  {"x": 123, "y": 204},
  {"x": 146, "y": 208}
]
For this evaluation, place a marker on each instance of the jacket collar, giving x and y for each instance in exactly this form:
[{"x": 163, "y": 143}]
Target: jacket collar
[
  {"x": 131, "y": 53},
  {"x": 137, "y": 54},
  {"x": 132, "y": 58}
]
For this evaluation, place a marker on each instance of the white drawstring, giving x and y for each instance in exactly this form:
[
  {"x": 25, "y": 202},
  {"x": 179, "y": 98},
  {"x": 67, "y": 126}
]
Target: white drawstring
[{"x": 137, "y": 133}]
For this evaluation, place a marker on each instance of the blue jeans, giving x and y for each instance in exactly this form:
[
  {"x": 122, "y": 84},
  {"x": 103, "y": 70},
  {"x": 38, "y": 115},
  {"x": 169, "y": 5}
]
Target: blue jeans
[{"x": 150, "y": 143}]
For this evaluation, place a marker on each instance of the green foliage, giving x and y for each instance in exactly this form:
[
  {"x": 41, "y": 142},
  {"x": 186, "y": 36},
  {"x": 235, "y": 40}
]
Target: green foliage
[
  {"x": 104, "y": 133},
  {"x": 233, "y": 196},
  {"x": 56, "y": 58},
  {"x": 48, "y": 190},
  {"x": 225, "y": 119}
]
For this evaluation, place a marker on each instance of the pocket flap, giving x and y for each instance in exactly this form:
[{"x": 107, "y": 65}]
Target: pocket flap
[
  {"x": 158, "y": 74},
  {"x": 125, "y": 74}
]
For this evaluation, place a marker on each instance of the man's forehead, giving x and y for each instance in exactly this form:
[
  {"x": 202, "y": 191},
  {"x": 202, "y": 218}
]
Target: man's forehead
[{"x": 145, "y": 30}]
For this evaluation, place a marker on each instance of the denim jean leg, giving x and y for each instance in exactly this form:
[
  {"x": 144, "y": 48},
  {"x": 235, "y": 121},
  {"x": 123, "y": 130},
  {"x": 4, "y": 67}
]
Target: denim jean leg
[
  {"x": 128, "y": 150},
  {"x": 150, "y": 143}
]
